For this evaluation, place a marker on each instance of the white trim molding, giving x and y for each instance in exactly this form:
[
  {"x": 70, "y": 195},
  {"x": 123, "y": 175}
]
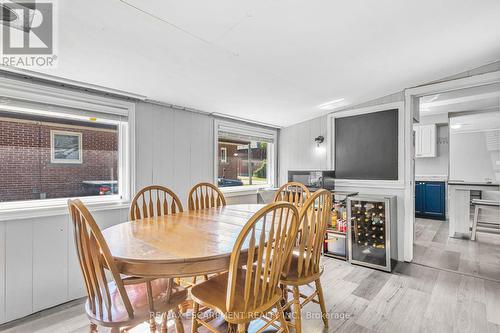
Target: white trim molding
[
  {"x": 74, "y": 101},
  {"x": 68, "y": 82},
  {"x": 62, "y": 97},
  {"x": 405, "y": 170},
  {"x": 256, "y": 131},
  {"x": 330, "y": 150},
  {"x": 412, "y": 96}
]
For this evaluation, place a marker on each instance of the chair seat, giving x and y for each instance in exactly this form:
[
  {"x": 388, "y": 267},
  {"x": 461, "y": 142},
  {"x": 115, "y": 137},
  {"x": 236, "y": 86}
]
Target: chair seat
[
  {"x": 213, "y": 294},
  {"x": 293, "y": 277},
  {"x": 137, "y": 294}
]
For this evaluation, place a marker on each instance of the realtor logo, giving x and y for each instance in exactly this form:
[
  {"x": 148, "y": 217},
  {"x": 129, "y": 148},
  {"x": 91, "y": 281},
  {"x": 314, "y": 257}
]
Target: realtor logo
[{"x": 28, "y": 34}]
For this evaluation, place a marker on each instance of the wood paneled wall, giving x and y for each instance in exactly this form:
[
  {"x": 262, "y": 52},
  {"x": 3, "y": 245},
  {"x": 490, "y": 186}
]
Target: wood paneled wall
[
  {"x": 174, "y": 148},
  {"x": 38, "y": 263}
]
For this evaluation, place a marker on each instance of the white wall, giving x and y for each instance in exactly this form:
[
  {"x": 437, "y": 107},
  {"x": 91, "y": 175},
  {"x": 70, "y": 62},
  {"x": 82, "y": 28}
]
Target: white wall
[
  {"x": 174, "y": 148},
  {"x": 297, "y": 149},
  {"x": 38, "y": 263}
]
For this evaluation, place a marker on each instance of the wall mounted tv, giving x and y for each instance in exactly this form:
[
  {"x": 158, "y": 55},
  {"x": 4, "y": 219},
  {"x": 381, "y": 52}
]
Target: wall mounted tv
[{"x": 366, "y": 146}]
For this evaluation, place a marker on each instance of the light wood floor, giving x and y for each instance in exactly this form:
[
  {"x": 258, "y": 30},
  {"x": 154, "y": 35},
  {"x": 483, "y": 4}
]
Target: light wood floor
[
  {"x": 411, "y": 299},
  {"x": 433, "y": 247}
]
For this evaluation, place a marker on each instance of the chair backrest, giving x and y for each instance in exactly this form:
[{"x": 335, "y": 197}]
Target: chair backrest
[
  {"x": 314, "y": 218},
  {"x": 292, "y": 192},
  {"x": 154, "y": 201},
  {"x": 205, "y": 195},
  {"x": 267, "y": 241},
  {"x": 94, "y": 256}
]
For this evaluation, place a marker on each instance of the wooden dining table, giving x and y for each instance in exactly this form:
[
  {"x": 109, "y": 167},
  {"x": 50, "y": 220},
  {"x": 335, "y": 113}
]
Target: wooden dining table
[{"x": 190, "y": 243}]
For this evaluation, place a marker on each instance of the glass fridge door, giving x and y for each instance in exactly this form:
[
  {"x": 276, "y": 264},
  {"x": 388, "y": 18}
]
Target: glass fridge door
[{"x": 369, "y": 226}]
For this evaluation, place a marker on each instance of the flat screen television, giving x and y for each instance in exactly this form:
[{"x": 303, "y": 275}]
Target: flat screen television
[{"x": 366, "y": 146}]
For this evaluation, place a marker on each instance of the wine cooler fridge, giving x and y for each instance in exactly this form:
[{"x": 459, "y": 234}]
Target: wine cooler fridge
[{"x": 372, "y": 223}]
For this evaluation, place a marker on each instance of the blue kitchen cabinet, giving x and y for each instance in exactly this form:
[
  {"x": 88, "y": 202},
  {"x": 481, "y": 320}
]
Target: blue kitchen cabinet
[{"x": 430, "y": 200}]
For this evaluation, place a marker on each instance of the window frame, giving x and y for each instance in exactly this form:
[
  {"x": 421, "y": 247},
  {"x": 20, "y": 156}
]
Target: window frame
[
  {"x": 223, "y": 149},
  {"x": 65, "y": 98},
  {"x": 53, "y": 158},
  {"x": 272, "y": 154}
]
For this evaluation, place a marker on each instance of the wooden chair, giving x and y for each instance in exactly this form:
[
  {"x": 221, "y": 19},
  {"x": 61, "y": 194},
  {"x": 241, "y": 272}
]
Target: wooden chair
[
  {"x": 122, "y": 303},
  {"x": 490, "y": 225},
  {"x": 205, "y": 195},
  {"x": 154, "y": 201},
  {"x": 242, "y": 295},
  {"x": 292, "y": 192},
  {"x": 304, "y": 264},
  {"x": 202, "y": 196}
]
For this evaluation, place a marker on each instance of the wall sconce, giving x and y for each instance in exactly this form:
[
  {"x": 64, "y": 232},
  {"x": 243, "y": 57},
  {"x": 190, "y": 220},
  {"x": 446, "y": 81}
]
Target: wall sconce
[{"x": 319, "y": 140}]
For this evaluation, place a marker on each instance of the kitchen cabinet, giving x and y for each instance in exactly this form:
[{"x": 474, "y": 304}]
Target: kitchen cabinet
[
  {"x": 430, "y": 200},
  {"x": 425, "y": 141}
]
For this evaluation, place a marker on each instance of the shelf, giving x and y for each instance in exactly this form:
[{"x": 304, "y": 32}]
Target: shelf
[
  {"x": 335, "y": 231},
  {"x": 335, "y": 256}
]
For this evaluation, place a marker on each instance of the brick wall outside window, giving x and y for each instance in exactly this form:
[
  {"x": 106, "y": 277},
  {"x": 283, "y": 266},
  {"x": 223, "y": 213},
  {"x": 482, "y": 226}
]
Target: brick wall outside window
[{"x": 25, "y": 168}]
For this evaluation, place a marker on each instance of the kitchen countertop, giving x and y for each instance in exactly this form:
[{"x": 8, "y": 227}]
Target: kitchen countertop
[
  {"x": 452, "y": 182},
  {"x": 433, "y": 178}
]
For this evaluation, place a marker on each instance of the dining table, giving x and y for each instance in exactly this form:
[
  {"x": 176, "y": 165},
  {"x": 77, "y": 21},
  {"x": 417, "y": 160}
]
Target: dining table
[{"x": 189, "y": 243}]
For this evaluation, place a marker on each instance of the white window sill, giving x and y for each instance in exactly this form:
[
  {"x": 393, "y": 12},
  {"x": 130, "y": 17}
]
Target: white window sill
[
  {"x": 9, "y": 214},
  {"x": 234, "y": 191}
]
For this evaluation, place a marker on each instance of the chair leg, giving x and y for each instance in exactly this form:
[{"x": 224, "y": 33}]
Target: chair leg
[
  {"x": 474, "y": 223},
  {"x": 196, "y": 312},
  {"x": 164, "y": 318},
  {"x": 281, "y": 318},
  {"x": 242, "y": 328},
  {"x": 93, "y": 328},
  {"x": 321, "y": 297},
  {"x": 296, "y": 309},
  {"x": 284, "y": 301},
  {"x": 178, "y": 321}
]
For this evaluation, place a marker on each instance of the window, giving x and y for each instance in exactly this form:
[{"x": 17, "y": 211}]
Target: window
[
  {"x": 50, "y": 152},
  {"x": 223, "y": 154},
  {"x": 66, "y": 147},
  {"x": 246, "y": 156}
]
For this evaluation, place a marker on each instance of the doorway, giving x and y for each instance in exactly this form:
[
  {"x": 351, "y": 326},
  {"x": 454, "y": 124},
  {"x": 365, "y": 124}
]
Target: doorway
[{"x": 457, "y": 153}]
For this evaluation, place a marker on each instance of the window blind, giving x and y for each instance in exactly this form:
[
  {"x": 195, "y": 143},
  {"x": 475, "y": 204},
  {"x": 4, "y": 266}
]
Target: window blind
[
  {"x": 22, "y": 107},
  {"x": 246, "y": 133}
]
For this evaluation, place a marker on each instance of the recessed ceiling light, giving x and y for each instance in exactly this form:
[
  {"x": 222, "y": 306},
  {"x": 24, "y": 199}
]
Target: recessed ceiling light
[{"x": 332, "y": 104}]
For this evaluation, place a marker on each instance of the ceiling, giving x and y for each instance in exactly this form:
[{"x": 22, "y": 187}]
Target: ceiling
[
  {"x": 272, "y": 61},
  {"x": 482, "y": 98}
]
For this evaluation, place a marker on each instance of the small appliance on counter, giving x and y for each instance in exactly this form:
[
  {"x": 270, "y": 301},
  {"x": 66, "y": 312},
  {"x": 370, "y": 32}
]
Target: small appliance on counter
[
  {"x": 314, "y": 179},
  {"x": 372, "y": 224}
]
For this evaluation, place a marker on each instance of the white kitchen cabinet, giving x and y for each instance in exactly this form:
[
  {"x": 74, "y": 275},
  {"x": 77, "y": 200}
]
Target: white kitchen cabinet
[{"x": 425, "y": 141}]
